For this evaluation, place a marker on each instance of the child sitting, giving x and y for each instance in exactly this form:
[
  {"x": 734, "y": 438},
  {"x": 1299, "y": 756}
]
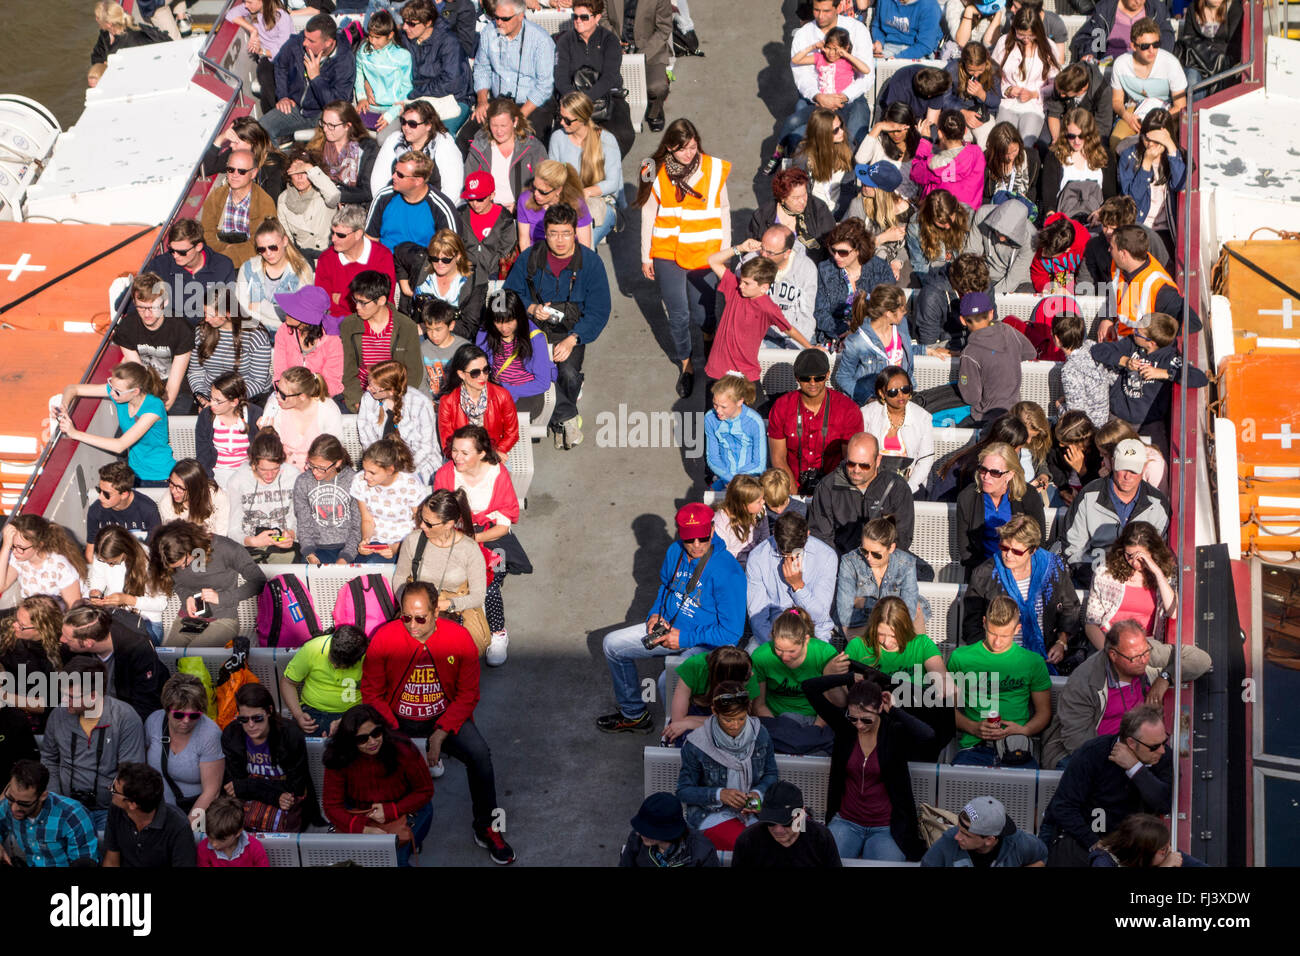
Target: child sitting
[
  {"x": 833, "y": 59},
  {"x": 226, "y": 843},
  {"x": 438, "y": 343},
  {"x": 735, "y": 436}
]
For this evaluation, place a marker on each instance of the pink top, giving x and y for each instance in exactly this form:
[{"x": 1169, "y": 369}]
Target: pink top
[
  {"x": 1119, "y": 701},
  {"x": 231, "y": 443},
  {"x": 326, "y": 359},
  {"x": 963, "y": 177},
  {"x": 254, "y": 854},
  {"x": 833, "y": 77},
  {"x": 1138, "y": 604}
]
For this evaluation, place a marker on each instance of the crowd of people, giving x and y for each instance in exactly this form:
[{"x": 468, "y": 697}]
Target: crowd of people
[{"x": 393, "y": 241}]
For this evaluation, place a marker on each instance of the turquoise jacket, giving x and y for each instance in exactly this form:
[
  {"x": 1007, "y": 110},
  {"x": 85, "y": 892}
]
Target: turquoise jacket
[{"x": 388, "y": 71}]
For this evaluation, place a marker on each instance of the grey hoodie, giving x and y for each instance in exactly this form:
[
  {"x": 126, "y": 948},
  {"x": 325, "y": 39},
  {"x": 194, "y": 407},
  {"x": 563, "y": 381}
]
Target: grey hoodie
[
  {"x": 1008, "y": 262},
  {"x": 327, "y": 515}
]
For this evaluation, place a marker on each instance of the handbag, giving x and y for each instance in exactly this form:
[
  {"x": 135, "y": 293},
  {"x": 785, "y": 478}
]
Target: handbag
[
  {"x": 583, "y": 80},
  {"x": 270, "y": 818},
  {"x": 934, "y": 822}
]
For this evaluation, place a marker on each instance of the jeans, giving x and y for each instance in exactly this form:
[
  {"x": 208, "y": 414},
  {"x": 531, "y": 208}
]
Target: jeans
[
  {"x": 856, "y": 842},
  {"x": 568, "y": 383},
  {"x": 690, "y": 297},
  {"x": 1195, "y": 76},
  {"x": 281, "y": 126},
  {"x": 99, "y": 819},
  {"x": 325, "y": 555},
  {"x": 856, "y": 115},
  {"x": 623, "y": 648},
  {"x": 421, "y": 823},
  {"x": 374, "y": 559},
  {"x": 323, "y": 719},
  {"x": 154, "y": 629},
  {"x": 605, "y": 228},
  {"x": 986, "y": 755}
]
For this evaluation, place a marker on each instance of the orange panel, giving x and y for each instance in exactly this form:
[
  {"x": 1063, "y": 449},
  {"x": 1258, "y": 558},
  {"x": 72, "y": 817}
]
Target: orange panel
[
  {"x": 1261, "y": 307},
  {"x": 1260, "y": 395}
]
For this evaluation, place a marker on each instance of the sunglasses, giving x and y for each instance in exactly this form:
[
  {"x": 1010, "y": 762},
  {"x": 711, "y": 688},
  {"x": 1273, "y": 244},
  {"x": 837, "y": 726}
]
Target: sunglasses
[
  {"x": 864, "y": 465},
  {"x": 1145, "y": 46},
  {"x": 505, "y": 19},
  {"x": 539, "y": 191},
  {"x": 476, "y": 372},
  {"x": 814, "y": 378},
  {"x": 840, "y": 253},
  {"x": 584, "y": 17},
  {"x": 1073, "y": 136},
  {"x": 1018, "y": 552},
  {"x": 255, "y": 719},
  {"x": 1152, "y": 747},
  {"x": 991, "y": 472},
  {"x": 729, "y": 698},
  {"x": 445, "y": 260},
  {"x": 411, "y": 124},
  {"x": 245, "y": 172},
  {"x": 334, "y": 232},
  {"x": 178, "y": 251},
  {"x": 694, "y": 540},
  {"x": 284, "y": 394},
  {"x": 273, "y": 247},
  {"x": 901, "y": 390},
  {"x": 874, "y": 555},
  {"x": 862, "y": 721},
  {"x": 186, "y": 715},
  {"x": 567, "y": 120},
  {"x": 417, "y": 618},
  {"x": 376, "y": 734}
]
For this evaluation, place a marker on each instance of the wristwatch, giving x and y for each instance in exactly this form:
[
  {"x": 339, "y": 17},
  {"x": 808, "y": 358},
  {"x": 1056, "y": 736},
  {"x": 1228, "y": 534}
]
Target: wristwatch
[{"x": 1164, "y": 675}]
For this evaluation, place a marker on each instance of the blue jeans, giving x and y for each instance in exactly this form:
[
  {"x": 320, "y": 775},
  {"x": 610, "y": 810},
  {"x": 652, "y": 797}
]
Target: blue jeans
[
  {"x": 458, "y": 121},
  {"x": 623, "y": 648},
  {"x": 600, "y": 232},
  {"x": 373, "y": 559},
  {"x": 325, "y": 555},
  {"x": 690, "y": 298},
  {"x": 856, "y": 115},
  {"x": 856, "y": 842},
  {"x": 323, "y": 719},
  {"x": 154, "y": 629},
  {"x": 985, "y": 755},
  {"x": 421, "y": 823},
  {"x": 281, "y": 126},
  {"x": 99, "y": 819}
]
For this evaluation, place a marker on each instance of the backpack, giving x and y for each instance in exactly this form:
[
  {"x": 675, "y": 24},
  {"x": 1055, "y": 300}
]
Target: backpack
[
  {"x": 234, "y": 675},
  {"x": 934, "y": 822},
  {"x": 367, "y": 602},
  {"x": 685, "y": 44},
  {"x": 286, "y": 613},
  {"x": 1079, "y": 200}
]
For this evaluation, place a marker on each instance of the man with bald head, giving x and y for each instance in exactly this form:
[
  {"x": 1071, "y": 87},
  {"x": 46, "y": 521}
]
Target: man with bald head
[
  {"x": 856, "y": 493},
  {"x": 795, "y": 288},
  {"x": 235, "y": 208}
]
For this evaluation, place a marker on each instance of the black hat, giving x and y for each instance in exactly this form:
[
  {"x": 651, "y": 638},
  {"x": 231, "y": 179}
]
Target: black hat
[
  {"x": 811, "y": 362},
  {"x": 660, "y": 817},
  {"x": 780, "y": 803}
]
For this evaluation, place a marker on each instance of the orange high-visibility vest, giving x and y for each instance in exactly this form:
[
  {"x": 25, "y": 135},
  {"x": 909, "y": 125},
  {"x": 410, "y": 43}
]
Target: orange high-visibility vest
[
  {"x": 690, "y": 231},
  {"x": 1135, "y": 299}
]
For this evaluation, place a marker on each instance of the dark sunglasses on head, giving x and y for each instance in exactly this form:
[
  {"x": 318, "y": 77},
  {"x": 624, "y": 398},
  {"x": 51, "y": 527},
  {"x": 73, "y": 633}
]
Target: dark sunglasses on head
[
  {"x": 186, "y": 714},
  {"x": 376, "y": 734},
  {"x": 1018, "y": 552},
  {"x": 417, "y": 618},
  {"x": 729, "y": 698},
  {"x": 273, "y": 247},
  {"x": 254, "y": 719},
  {"x": 813, "y": 378},
  {"x": 895, "y": 392},
  {"x": 236, "y": 169}
]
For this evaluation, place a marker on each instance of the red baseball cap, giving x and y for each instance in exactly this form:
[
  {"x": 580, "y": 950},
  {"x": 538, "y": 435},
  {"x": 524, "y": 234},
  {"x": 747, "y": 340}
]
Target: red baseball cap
[
  {"x": 478, "y": 185},
  {"x": 695, "y": 521}
]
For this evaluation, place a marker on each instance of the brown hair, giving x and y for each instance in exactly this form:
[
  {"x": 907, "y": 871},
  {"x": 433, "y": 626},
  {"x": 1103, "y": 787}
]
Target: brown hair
[
  {"x": 793, "y": 624},
  {"x": 141, "y": 377},
  {"x": 1093, "y": 148},
  {"x": 390, "y": 452},
  {"x": 46, "y": 537},
  {"x": 786, "y": 181},
  {"x": 199, "y": 488},
  {"x": 759, "y": 269},
  {"x": 184, "y": 690},
  {"x": 679, "y": 132},
  {"x": 935, "y": 241},
  {"x": 306, "y": 381},
  {"x": 47, "y": 617},
  {"x": 390, "y": 376},
  {"x": 892, "y": 612},
  {"x": 173, "y": 542},
  {"x": 854, "y": 232},
  {"x": 1117, "y": 211},
  {"x": 969, "y": 273},
  {"x": 824, "y": 156},
  {"x": 885, "y": 297},
  {"x": 737, "y": 386},
  {"x": 1032, "y": 414},
  {"x": 1133, "y": 240},
  {"x": 1140, "y": 534},
  {"x": 1073, "y": 428},
  {"x": 726, "y": 664},
  {"x": 742, "y": 491},
  {"x": 114, "y": 541}
]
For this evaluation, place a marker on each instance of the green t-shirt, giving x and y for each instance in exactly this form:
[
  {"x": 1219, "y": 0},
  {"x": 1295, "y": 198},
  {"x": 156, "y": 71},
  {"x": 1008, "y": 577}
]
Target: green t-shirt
[
  {"x": 784, "y": 686},
  {"x": 324, "y": 687},
  {"x": 1012, "y": 677},
  {"x": 694, "y": 673},
  {"x": 902, "y": 663}
]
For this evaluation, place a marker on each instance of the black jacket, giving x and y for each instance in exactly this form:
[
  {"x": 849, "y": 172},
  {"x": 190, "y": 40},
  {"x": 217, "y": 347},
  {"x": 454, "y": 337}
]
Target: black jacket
[
  {"x": 412, "y": 264},
  {"x": 603, "y": 53},
  {"x": 1061, "y": 610},
  {"x": 1210, "y": 54},
  {"x": 134, "y": 36},
  {"x": 1059, "y": 469},
  {"x": 17, "y": 742},
  {"x": 288, "y": 746},
  {"x": 204, "y": 450},
  {"x": 1092, "y": 783},
  {"x": 439, "y": 65},
  {"x": 970, "y": 521},
  {"x": 487, "y": 253},
  {"x": 698, "y": 848},
  {"x": 1034, "y": 164},
  {"x": 899, "y": 733},
  {"x": 817, "y": 221},
  {"x": 1103, "y": 18},
  {"x": 137, "y": 675},
  {"x": 1096, "y": 100},
  {"x": 838, "y": 511},
  {"x": 359, "y": 195}
]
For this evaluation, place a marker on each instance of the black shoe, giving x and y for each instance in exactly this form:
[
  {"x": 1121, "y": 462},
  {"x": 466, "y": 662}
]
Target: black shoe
[
  {"x": 656, "y": 124},
  {"x": 685, "y": 384},
  {"x": 495, "y": 844},
  {"x": 616, "y": 723},
  {"x": 771, "y": 165}
]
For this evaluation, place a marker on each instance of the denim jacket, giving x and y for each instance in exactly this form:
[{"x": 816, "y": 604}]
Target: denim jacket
[
  {"x": 864, "y": 359},
  {"x": 701, "y": 780},
  {"x": 856, "y": 579}
]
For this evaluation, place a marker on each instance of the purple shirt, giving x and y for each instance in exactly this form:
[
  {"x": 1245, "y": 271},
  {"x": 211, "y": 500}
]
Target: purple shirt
[
  {"x": 533, "y": 219},
  {"x": 271, "y": 39}
]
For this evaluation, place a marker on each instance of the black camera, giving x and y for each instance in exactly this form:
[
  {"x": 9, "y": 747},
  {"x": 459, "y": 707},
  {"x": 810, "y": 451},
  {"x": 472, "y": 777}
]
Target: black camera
[
  {"x": 232, "y": 238},
  {"x": 652, "y": 636},
  {"x": 808, "y": 481}
]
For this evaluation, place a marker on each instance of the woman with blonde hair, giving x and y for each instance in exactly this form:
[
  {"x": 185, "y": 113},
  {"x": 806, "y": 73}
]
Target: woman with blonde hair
[
  {"x": 998, "y": 494},
  {"x": 553, "y": 182},
  {"x": 735, "y": 436},
  {"x": 740, "y": 519},
  {"x": 442, "y": 272},
  {"x": 505, "y": 138},
  {"x": 30, "y": 639},
  {"x": 592, "y": 150},
  {"x": 826, "y": 155},
  {"x": 389, "y": 406},
  {"x": 119, "y": 578},
  {"x": 116, "y": 32},
  {"x": 300, "y": 408},
  {"x": 137, "y": 394},
  {"x": 277, "y": 268},
  {"x": 42, "y": 558}
]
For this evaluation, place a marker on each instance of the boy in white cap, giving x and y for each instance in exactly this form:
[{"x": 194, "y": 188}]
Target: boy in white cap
[{"x": 985, "y": 836}]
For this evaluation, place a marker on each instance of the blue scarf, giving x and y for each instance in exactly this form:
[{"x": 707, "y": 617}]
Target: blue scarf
[{"x": 1040, "y": 569}]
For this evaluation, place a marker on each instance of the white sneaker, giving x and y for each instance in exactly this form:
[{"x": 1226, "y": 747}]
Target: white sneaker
[
  {"x": 437, "y": 770},
  {"x": 496, "y": 652}
]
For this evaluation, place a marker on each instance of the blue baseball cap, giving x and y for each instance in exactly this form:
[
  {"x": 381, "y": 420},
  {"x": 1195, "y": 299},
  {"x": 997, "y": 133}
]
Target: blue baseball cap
[
  {"x": 881, "y": 175},
  {"x": 975, "y": 303}
]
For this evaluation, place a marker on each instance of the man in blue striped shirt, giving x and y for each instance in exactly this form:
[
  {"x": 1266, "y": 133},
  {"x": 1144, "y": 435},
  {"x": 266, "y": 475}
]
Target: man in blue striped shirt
[
  {"x": 517, "y": 60},
  {"x": 51, "y": 830}
]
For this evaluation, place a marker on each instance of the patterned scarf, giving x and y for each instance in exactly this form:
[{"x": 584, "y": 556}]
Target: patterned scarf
[{"x": 678, "y": 174}]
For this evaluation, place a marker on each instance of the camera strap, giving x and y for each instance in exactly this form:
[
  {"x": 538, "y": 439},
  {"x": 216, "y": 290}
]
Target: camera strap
[
  {"x": 99, "y": 755},
  {"x": 694, "y": 580},
  {"x": 798, "y": 426}
]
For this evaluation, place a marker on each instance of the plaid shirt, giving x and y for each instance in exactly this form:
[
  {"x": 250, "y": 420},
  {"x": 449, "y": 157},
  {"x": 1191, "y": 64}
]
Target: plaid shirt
[
  {"x": 57, "y": 836},
  {"x": 234, "y": 217}
]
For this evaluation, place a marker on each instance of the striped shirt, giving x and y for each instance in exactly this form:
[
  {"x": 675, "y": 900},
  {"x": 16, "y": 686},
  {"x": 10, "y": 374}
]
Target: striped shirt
[
  {"x": 57, "y": 836},
  {"x": 512, "y": 374},
  {"x": 231, "y": 443},
  {"x": 254, "y": 360},
  {"x": 375, "y": 348}
]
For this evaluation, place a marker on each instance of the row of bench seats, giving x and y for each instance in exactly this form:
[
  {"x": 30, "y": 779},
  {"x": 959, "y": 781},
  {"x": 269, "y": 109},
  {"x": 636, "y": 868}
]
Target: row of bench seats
[
  {"x": 519, "y": 460},
  {"x": 330, "y": 849},
  {"x": 1025, "y": 793}
]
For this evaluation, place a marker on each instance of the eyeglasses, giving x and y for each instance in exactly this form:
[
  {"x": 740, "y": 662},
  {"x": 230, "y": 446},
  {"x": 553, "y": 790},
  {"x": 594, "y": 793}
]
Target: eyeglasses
[
  {"x": 23, "y": 804},
  {"x": 340, "y": 235},
  {"x": 1018, "y": 552},
  {"x": 376, "y": 734},
  {"x": 417, "y": 618},
  {"x": 186, "y": 715},
  {"x": 273, "y": 247},
  {"x": 1152, "y": 747},
  {"x": 840, "y": 253},
  {"x": 25, "y": 627},
  {"x": 178, "y": 251},
  {"x": 863, "y": 465},
  {"x": 426, "y": 523},
  {"x": 1140, "y": 656},
  {"x": 114, "y": 792},
  {"x": 321, "y": 469},
  {"x": 411, "y": 124},
  {"x": 771, "y": 254},
  {"x": 254, "y": 719},
  {"x": 476, "y": 372},
  {"x": 445, "y": 260},
  {"x": 584, "y": 17},
  {"x": 105, "y": 492},
  {"x": 23, "y": 547},
  {"x": 357, "y": 300},
  {"x": 861, "y": 721},
  {"x": 991, "y": 472},
  {"x": 327, "y": 126},
  {"x": 1145, "y": 46},
  {"x": 559, "y": 233},
  {"x": 814, "y": 378},
  {"x": 178, "y": 485},
  {"x": 901, "y": 390}
]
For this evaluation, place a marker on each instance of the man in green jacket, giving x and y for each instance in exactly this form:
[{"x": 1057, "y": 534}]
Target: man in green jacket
[{"x": 376, "y": 333}]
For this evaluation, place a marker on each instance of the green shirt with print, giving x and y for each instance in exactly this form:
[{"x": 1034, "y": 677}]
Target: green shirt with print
[
  {"x": 785, "y": 686},
  {"x": 694, "y": 673},
  {"x": 1001, "y": 682},
  {"x": 324, "y": 686},
  {"x": 903, "y": 663}
]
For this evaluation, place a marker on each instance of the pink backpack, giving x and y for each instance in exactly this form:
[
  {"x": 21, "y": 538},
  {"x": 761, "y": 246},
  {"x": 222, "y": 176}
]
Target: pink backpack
[
  {"x": 367, "y": 602},
  {"x": 286, "y": 614}
]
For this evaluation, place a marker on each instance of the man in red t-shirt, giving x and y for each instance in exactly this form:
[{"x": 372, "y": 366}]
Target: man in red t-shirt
[
  {"x": 748, "y": 314},
  {"x": 350, "y": 252},
  {"x": 807, "y": 428},
  {"x": 421, "y": 673}
]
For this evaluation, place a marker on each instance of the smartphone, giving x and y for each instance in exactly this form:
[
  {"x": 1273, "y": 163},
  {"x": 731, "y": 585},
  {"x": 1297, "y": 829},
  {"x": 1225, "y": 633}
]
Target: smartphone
[{"x": 200, "y": 605}]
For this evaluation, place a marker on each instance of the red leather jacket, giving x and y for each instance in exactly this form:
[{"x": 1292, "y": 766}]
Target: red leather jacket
[{"x": 501, "y": 419}]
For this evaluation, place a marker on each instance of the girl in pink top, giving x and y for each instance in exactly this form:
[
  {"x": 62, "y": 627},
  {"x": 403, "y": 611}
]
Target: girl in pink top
[
  {"x": 300, "y": 344},
  {"x": 956, "y": 166},
  {"x": 226, "y": 843},
  {"x": 299, "y": 411},
  {"x": 833, "y": 59}
]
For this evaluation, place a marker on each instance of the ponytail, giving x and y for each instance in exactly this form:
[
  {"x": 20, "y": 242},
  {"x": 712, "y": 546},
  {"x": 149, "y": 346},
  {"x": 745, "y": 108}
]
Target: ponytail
[{"x": 141, "y": 377}]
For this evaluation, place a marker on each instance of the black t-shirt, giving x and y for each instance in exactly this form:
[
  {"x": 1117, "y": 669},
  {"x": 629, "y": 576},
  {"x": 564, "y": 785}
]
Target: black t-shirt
[
  {"x": 156, "y": 347},
  {"x": 167, "y": 841},
  {"x": 140, "y": 517},
  {"x": 815, "y": 847}
]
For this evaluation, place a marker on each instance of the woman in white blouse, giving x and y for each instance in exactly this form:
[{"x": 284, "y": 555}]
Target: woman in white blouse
[
  {"x": 388, "y": 405},
  {"x": 119, "y": 577},
  {"x": 903, "y": 429},
  {"x": 1028, "y": 63}
]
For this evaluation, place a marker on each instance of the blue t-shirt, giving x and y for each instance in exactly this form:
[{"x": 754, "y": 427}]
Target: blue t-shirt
[
  {"x": 151, "y": 457},
  {"x": 994, "y": 518},
  {"x": 1125, "y": 511},
  {"x": 406, "y": 222}
]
